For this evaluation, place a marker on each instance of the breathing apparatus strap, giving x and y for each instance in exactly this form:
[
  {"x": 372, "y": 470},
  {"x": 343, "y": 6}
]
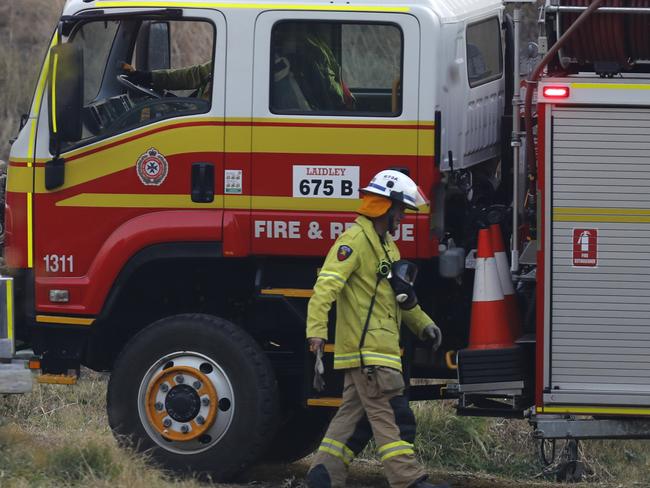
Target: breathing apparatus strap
[
  {"x": 362, "y": 341},
  {"x": 380, "y": 267}
]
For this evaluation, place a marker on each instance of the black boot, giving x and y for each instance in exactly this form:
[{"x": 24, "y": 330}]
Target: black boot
[{"x": 318, "y": 477}]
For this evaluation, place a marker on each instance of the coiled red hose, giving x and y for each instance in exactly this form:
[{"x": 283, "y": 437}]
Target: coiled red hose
[{"x": 612, "y": 37}]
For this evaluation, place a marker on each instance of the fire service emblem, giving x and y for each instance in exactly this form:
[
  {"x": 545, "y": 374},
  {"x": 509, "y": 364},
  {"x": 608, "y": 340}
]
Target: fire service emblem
[{"x": 152, "y": 168}]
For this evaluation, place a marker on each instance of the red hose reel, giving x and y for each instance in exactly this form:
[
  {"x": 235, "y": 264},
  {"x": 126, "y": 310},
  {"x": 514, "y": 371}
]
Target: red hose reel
[{"x": 622, "y": 38}]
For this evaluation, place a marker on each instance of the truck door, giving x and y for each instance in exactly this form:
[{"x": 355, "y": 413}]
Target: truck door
[
  {"x": 334, "y": 102},
  {"x": 150, "y": 151}
]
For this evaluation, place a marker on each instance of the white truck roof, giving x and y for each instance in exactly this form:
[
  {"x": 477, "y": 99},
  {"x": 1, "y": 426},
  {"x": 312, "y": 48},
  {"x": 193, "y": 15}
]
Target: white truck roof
[{"x": 445, "y": 10}]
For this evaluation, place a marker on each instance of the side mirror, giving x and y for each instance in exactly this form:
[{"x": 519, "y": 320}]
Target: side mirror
[
  {"x": 154, "y": 46},
  {"x": 65, "y": 105}
]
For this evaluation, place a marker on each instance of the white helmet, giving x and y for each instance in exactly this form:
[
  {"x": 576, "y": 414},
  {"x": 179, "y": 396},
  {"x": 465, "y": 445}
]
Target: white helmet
[{"x": 396, "y": 186}]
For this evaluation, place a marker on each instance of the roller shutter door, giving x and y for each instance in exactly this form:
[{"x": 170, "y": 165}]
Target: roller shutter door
[{"x": 600, "y": 258}]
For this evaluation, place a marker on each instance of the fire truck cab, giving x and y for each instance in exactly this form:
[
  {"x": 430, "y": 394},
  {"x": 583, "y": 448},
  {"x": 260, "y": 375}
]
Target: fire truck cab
[{"x": 169, "y": 227}]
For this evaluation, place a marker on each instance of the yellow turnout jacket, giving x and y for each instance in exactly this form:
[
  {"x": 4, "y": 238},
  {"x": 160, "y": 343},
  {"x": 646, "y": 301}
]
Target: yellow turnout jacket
[{"x": 349, "y": 276}]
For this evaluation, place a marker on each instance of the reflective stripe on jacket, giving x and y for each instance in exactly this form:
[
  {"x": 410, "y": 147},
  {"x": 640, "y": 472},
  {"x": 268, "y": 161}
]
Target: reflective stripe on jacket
[{"x": 349, "y": 276}]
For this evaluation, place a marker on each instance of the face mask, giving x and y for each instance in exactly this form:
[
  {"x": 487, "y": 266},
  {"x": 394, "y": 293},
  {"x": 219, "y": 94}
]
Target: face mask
[{"x": 401, "y": 279}]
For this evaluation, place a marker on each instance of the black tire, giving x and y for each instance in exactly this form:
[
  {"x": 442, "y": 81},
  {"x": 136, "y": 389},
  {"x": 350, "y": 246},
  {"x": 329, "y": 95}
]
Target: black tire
[
  {"x": 246, "y": 422},
  {"x": 299, "y": 435}
]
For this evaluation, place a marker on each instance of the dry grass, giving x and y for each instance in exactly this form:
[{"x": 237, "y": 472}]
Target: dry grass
[{"x": 59, "y": 436}]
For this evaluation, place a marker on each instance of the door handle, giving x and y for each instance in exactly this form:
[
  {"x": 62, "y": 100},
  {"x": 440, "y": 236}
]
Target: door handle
[{"x": 202, "y": 182}]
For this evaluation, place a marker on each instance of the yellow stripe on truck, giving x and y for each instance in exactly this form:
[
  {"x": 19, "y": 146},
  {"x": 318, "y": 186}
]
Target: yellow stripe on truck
[
  {"x": 20, "y": 180},
  {"x": 30, "y": 232},
  {"x": 582, "y": 410},
  {"x": 118, "y": 153},
  {"x": 335, "y": 140},
  {"x": 255, "y": 6},
  {"x": 10, "y": 309},
  {"x": 608, "y": 86},
  {"x": 245, "y": 202},
  {"x": 53, "y": 114},
  {"x": 124, "y": 155},
  {"x": 55, "y": 319},
  {"x": 606, "y": 215},
  {"x": 137, "y": 200}
]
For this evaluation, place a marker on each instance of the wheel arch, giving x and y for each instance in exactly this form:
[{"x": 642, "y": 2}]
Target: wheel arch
[{"x": 169, "y": 278}]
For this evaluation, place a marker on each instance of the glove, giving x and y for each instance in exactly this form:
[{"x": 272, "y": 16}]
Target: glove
[
  {"x": 319, "y": 370},
  {"x": 316, "y": 344},
  {"x": 432, "y": 332},
  {"x": 141, "y": 78}
]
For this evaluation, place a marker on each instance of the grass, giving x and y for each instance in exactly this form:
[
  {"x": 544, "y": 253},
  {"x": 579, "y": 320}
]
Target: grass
[{"x": 58, "y": 436}]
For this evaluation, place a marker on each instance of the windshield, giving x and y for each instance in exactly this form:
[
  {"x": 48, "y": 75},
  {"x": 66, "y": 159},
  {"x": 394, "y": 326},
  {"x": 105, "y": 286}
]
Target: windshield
[{"x": 137, "y": 71}]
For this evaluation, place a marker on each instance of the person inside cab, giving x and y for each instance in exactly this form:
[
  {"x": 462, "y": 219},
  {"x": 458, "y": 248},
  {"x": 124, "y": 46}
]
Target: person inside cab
[
  {"x": 197, "y": 78},
  {"x": 305, "y": 51}
]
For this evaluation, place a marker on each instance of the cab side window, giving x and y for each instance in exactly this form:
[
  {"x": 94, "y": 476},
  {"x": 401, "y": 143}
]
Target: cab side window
[
  {"x": 336, "y": 68},
  {"x": 484, "y": 58},
  {"x": 139, "y": 71}
]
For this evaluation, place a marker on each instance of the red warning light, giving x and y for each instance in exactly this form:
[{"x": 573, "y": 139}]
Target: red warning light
[{"x": 556, "y": 92}]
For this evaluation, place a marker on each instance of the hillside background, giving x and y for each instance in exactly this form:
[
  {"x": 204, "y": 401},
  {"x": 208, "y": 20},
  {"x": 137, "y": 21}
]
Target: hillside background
[{"x": 25, "y": 29}]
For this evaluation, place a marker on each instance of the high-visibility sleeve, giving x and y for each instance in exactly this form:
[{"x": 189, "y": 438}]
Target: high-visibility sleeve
[
  {"x": 190, "y": 78},
  {"x": 416, "y": 320},
  {"x": 341, "y": 261}
]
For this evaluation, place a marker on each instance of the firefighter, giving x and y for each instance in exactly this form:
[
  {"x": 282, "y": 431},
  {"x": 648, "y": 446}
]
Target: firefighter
[
  {"x": 357, "y": 275},
  {"x": 316, "y": 68},
  {"x": 197, "y": 77}
]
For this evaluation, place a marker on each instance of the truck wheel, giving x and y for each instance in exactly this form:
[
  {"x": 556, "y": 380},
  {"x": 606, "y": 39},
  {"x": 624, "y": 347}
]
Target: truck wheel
[
  {"x": 197, "y": 392},
  {"x": 300, "y": 435}
]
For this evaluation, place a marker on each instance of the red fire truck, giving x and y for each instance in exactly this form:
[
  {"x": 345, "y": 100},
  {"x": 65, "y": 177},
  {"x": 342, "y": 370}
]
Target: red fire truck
[{"x": 171, "y": 234}]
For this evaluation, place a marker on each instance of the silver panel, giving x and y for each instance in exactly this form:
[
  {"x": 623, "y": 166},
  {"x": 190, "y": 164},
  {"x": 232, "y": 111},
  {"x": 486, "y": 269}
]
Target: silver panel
[
  {"x": 600, "y": 317},
  {"x": 594, "y": 397},
  {"x": 551, "y": 427}
]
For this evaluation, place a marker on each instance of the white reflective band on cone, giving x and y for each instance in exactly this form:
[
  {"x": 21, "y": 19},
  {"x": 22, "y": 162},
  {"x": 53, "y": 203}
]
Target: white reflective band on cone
[
  {"x": 487, "y": 285},
  {"x": 504, "y": 273}
]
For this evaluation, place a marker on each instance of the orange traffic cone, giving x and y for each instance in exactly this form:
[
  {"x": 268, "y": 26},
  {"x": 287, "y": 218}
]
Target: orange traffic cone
[
  {"x": 506, "y": 279},
  {"x": 489, "y": 328}
]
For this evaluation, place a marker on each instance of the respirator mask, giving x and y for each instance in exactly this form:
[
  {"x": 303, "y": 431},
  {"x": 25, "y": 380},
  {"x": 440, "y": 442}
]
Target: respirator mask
[{"x": 402, "y": 278}]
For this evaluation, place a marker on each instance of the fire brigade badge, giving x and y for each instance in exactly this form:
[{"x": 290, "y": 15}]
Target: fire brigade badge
[
  {"x": 343, "y": 253},
  {"x": 152, "y": 168}
]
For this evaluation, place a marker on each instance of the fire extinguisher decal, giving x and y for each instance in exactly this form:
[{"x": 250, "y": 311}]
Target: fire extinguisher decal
[{"x": 585, "y": 247}]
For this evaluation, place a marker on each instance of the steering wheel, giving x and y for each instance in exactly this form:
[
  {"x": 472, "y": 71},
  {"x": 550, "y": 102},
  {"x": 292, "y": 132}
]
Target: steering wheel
[
  {"x": 122, "y": 79},
  {"x": 157, "y": 109}
]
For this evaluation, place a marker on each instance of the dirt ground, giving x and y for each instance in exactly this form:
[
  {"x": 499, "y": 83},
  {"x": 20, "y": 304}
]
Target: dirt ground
[{"x": 368, "y": 474}]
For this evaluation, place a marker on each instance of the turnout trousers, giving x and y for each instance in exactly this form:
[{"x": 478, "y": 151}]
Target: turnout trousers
[{"x": 373, "y": 405}]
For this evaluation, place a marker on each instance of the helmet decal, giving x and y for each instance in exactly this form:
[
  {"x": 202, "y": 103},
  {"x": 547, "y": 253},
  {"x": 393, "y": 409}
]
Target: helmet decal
[{"x": 398, "y": 187}]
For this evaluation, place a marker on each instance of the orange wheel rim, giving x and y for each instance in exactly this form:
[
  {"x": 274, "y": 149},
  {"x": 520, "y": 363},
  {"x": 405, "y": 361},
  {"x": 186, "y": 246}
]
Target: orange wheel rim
[{"x": 156, "y": 404}]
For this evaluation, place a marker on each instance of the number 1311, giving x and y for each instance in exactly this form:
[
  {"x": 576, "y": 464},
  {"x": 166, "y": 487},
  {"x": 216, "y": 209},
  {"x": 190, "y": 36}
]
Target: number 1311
[{"x": 58, "y": 263}]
